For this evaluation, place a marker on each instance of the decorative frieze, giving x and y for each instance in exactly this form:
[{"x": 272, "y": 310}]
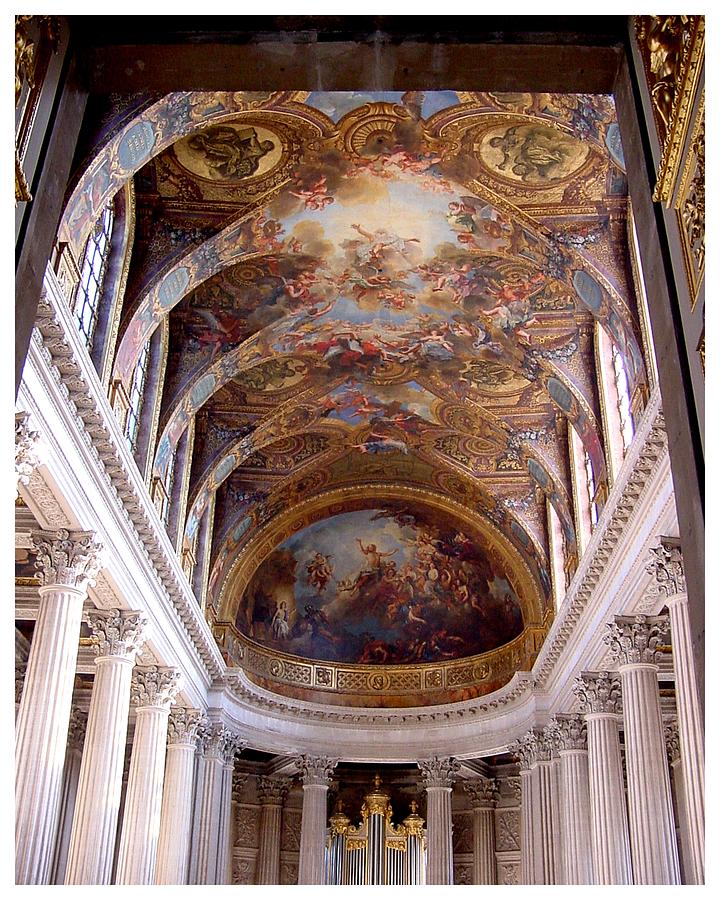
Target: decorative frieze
[
  {"x": 290, "y": 834},
  {"x": 247, "y": 826},
  {"x": 116, "y": 633},
  {"x": 26, "y": 458},
  {"x": 316, "y": 769},
  {"x": 273, "y": 789},
  {"x": 183, "y": 726},
  {"x": 635, "y": 639},
  {"x": 439, "y": 772},
  {"x": 507, "y": 829},
  {"x": 666, "y": 565},
  {"x": 154, "y": 686},
  {"x": 71, "y": 559},
  {"x": 599, "y": 692}
]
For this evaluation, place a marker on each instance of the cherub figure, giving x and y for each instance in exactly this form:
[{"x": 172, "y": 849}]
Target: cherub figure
[{"x": 319, "y": 571}]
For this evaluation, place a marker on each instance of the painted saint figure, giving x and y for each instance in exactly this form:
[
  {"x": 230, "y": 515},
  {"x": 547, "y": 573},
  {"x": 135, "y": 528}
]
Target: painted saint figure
[{"x": 279, "y": 626}]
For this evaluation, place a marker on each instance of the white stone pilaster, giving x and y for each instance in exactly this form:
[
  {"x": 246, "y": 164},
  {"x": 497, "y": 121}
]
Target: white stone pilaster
[
  {"x": 68, "y": 563},
  {"x": 483, "y": 795},
  {"x": 599, "y": 695},
  {"x": 667, "y": 567},
  {"x": 71, "y": 776},
  {"x": 271, "y": 792},
  {"x": 547, "y": 829},
  {"x": 315, "y": 773},
  {"x": 232, "y": 746},
  {"x": 153, "y": 689},
  {"x": 438, "y": 775},
  {"x": 632, "y": 641},
  {"x": 177, "y": 803},
  {"x": 523, "y": 750},
  {"x": 118, "y": 636}
]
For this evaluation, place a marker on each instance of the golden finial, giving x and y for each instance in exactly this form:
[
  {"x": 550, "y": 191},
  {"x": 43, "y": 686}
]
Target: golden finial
[{"x": 376, "y": 781}]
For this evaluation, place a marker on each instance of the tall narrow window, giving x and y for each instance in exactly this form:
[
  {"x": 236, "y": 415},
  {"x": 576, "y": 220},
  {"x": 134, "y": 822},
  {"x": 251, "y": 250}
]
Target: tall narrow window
[
  {"x": 627, "y": 426},
  {"x": 591, "y": 489},
  {"x": 169, "y": 479},
  {"x": 137, "y": 393},
  {"x": 94, "y": 264}
]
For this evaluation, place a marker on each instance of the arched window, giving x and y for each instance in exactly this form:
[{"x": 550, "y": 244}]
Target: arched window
[
  {"x": 627, "y": 426},
  {"x": 92, "y": 275},
  {"x": 137, "y": 394}
]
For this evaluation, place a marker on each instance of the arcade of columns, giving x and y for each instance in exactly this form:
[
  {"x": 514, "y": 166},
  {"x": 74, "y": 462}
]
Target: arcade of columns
[{"x": 580, "y": 824}]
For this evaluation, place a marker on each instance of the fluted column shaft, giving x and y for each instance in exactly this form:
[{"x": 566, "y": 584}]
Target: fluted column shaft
[
  {"x": 67, "y": 563},
  {"x": 177, "y": 803},
  {"x": 652, "y": 831},
  {"x": 545, "y": 867},
  {"x": 692, "y": 739},
  {"x": 577, "y": 853},
  {"x": 210, "y": 800},
  {"x": 482, "y": 794},
  {"x": 71, "y": 777},
  {"x": 438, "y": 775},
  {"x": 153, "y": 690},
  {"x": 90, "y": 857},
  {"x": 315, "y": 773},
  {"x": 272, "y": 792},
  {"x": 527, "y": 828},
  {"x": 222, "y": 872}
]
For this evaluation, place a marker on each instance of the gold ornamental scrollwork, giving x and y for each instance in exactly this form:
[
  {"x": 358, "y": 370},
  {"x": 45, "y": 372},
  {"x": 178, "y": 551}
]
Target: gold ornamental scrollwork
[
  {"x": 673, "y": 51},
  {"x": 690, "y": 206}
]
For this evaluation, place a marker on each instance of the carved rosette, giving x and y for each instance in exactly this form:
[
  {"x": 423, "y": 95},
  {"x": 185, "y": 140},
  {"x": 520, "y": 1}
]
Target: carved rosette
[
  {"x": 67, "y": 558},
  {"x": 315, "y": 769},
  {"x": 239, "y": 780},
  {"x": 272, "y": 791},
  {"x": 154, "y": 686},
  {"x": 482, "y": 792},
  {"x": 26, "y": 459},
  {"x": 666, "y": 565},
  {"x": 77, "y": 728},
  {"x": 672, "y": 740},
  {"x": 116, "y": 633},
  {"x": 183, "y": 725},
  {"x": 599, "y": 692},
  {"x": 438, "y": 771},
  {"x": 568, "y": 733},
  {"x": 633, "y": 640}
]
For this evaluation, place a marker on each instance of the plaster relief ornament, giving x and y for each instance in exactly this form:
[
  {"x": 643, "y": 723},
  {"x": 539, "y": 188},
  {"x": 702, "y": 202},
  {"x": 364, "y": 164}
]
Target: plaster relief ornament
[
  {"x": 315, "y": 770},
  {"x": 71, "y": 559},
  {"x": 634, "y": 640},
  {"x": 439, "y": 772},
  {"x": 667, "y": 566},
  {"x": 272, "y": 790},
  {"x": 116, "y": 633},
  {"x": 77, "y": 728},
  {"x": 183, "y": 726},
  {"x": 483, "y": 793},
  {"x": 567, "y": 732},
  {"x": 26, "y": 458},
  {"x": 599, "y": 692},
  {"x": 239, "y": 780},
  {"x": 155, "y": 686}
]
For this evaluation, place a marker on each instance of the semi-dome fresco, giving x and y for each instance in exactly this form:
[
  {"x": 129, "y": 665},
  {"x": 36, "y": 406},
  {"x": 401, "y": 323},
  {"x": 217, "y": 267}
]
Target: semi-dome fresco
[
  {"x": 386, "y": 585},
  {"x": 374, "y": 317}
]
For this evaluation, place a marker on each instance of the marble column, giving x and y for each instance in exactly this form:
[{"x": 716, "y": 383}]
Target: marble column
[
  {"x": 677, "y": 789},
  {"x": 483, "y": 794},
  {"x": 153, "y": 690},
  {"x": 233, "y": 745},
  {"x": 212, "y": 822},
  {"x": 271, "y": 793},
  {"x": 177, "y": 802},
  {"x": 569, "y": 735},
  {"x": 632, "y": 642},
  {"x": 201, "y": 767},
  {"x": 67, "y": 563},
  {"x": 524, "y": 752},
  {"x": 546, "y": 826},
  {"x": 71, "y": 776},
  {"x": 667, "y": 567},
  {"x": 117, "y": 636},
  {"x": 438, "y": 776},
  {"x": 599, "y": 694},
  {"x": 315, "y": 773}
]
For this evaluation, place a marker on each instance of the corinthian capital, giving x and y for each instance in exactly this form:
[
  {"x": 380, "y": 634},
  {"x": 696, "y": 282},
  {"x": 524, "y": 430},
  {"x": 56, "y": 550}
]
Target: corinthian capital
[
  {"x": 568, "y": 733},
  {"x": 666, "y": 565},
  {"x": 116, "y": 633},
  {"x": 272, "y": 790},
  {"x": 634, "y": 639},
  {"x": 315, "y": 769},
  {"x": 438, "y": 771},
  {"x": 153, "y": 686},
  {"x": 25, "y": 449},
  {"x": 482, "y": 792},
  {"x": 232, "y": 746},
  {"x": 524, "y": 749},
  {"x": 599, "y": 692},
  {"x": 183, "y": 725},
  {"x": 239, "y": 780},
  {"x": 67, "y": 558}
]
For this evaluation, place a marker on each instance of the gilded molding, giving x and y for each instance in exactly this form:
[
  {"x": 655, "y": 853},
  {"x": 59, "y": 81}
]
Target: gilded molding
[{"x": 690, "y": 206}]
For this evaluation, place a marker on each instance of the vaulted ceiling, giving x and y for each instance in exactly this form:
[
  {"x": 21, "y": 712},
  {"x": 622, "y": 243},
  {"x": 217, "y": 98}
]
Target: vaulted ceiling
[{"x": 381, "y": 312}]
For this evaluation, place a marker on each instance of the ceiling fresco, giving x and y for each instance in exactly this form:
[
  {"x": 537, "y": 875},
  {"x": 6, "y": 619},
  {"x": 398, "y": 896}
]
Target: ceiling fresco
[{"x": 375, "y": 290}]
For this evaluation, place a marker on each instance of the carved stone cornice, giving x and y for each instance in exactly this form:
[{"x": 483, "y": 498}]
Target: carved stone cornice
[
  {"x": 77, "y": 728},
  {"x": 154, "y": 686},
  {"x": 666, "y": 565},
  {"x": 315, "y": 770},
  {"x": 672, "y": 740},
  {"x": 599, "y": 692},
  {"x": 646, "y": 451},
  {"x": 67, "y": 558},
  {"x": 116, "y": 633},
  {"x": 635, "y": 639},
  {"x": 183, "y": 725},
  {"x": 239, "y": 780},
  {"x": 26, "y": 459},
  {"x": 273, "y": 789},
  {"x": 568, "y": 732},
  {"x": 439, "y": 772},
  {"x": 482, "y": 792}
]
